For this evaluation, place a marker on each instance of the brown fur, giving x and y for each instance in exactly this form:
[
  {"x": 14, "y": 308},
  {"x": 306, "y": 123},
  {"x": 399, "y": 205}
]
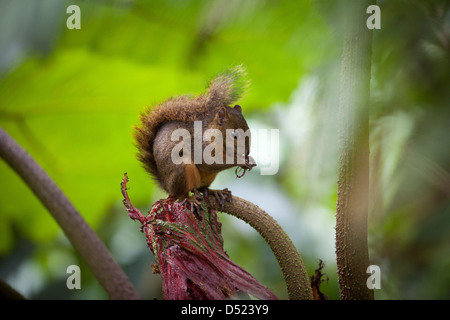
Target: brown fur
[{"x": 157, "y": 123}]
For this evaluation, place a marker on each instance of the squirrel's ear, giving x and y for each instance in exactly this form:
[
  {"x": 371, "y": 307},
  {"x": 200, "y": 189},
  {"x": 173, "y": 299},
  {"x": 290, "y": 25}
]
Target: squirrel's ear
[
  {"x": 238, "y": 108},
  {"x": 221, "y": 116}
]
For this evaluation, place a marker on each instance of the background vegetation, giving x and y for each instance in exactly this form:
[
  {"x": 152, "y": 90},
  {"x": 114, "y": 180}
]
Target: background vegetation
[{"x": 71, "y": 97}]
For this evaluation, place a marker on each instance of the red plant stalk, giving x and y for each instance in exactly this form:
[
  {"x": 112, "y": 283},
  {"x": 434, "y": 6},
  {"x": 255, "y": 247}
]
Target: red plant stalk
[{"x": 189, "y": 253}]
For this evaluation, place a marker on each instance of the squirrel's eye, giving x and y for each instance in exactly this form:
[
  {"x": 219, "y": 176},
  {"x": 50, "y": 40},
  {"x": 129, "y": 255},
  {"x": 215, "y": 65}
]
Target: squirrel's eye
[{"x": 234, "y": 134}]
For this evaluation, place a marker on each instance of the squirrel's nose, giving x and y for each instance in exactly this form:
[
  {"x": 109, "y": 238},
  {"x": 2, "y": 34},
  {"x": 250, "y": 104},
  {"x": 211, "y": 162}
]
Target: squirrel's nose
[{"x": 250, "y": 162}]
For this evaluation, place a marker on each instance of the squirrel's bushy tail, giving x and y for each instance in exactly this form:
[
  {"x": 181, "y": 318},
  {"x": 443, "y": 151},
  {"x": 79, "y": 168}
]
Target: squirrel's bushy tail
[
  {"x": 225, "y": 89},
  {"x": 228, "y": 87}
]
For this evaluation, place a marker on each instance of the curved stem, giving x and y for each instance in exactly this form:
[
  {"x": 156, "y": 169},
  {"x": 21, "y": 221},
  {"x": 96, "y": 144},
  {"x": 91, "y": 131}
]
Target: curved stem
[
  {"x": 291, "y": 264},
  {"x": 80, "y": 234}
]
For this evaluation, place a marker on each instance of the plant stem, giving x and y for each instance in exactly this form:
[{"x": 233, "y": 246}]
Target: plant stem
[
  {"x": 353, "y": 185},
  {"x": 80, "y": 234},
  {"x": 291, "y": 264}
]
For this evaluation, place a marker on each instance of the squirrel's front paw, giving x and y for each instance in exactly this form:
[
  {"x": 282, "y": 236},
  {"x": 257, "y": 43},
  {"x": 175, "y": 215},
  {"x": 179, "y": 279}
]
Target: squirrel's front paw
[
  {"x": 220, "y": 195},
  {"x": 193, "y": 204}
]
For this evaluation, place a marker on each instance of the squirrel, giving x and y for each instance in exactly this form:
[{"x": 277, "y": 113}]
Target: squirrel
[{"x": 154, "y": 137}]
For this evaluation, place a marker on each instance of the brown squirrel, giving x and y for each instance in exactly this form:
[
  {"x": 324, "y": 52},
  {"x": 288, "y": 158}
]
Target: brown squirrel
[{"x": 155, "y": 144}]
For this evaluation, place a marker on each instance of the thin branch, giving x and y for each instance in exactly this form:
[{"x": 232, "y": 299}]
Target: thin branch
[
  {"x": 80, "y": 234},
  {"x": 9, "y": 293},
  {"x": 291, "y": 264}
]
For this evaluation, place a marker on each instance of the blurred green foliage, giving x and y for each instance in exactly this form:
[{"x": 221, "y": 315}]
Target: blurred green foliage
[{"x": 71, "y": 98}]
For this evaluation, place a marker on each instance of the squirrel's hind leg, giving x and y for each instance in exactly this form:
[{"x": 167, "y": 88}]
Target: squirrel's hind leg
[
  {"x": 220, "y": 195},
  {"x": 193, "y": 204}
]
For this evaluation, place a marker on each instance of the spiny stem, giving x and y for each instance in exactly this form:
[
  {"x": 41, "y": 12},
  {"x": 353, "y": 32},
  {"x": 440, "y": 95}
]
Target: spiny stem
[{"x": 291, "y": 264}]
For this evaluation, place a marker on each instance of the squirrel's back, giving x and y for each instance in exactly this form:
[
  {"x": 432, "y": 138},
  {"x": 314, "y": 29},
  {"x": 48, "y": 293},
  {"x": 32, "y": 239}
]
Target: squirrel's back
[{"x": 222, "y": 91}]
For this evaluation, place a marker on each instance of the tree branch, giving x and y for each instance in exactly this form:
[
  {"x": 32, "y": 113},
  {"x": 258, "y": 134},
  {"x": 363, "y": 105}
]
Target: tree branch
[
  {"x": 82, "y": 237},
  {"x": 353, "y": 185},
  {"x": 291, "y": 264}
]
